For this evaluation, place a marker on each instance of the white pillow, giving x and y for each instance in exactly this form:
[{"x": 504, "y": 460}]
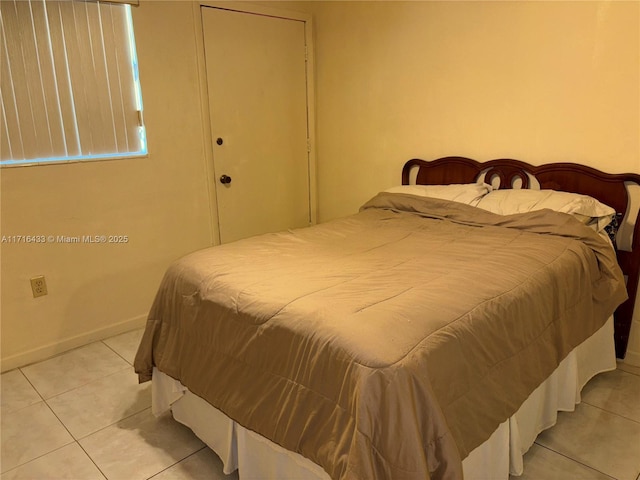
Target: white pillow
[
  {"x": 585, "y": 208},
  {"x": 469, "y": 193}
]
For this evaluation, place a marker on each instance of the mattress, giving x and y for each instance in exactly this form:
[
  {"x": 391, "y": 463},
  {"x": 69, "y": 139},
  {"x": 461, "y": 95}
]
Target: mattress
[
  {"x": 383, "y": 345},
  {"x": 256, "y": 457}
]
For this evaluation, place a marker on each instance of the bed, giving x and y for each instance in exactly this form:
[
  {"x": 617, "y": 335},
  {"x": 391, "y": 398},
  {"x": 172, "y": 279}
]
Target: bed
[{"x": 387, "y": 344}]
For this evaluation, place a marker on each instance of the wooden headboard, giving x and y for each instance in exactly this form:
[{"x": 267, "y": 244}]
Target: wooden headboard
[{"x": 610, "y": 189}]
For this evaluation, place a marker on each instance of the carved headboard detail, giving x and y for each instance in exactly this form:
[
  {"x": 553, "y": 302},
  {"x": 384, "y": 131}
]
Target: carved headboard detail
[{"x": 610, "y": 189}]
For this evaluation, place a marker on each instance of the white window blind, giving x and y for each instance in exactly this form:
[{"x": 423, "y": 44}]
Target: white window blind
[{"x": 70, "y": 88}]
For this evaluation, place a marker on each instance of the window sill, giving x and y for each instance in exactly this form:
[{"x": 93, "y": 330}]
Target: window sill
[{"x": 59, "y": 161}]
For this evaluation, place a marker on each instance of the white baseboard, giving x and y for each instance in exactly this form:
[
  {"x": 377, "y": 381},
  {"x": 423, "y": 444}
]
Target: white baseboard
[{"x": 56, "y": 348}]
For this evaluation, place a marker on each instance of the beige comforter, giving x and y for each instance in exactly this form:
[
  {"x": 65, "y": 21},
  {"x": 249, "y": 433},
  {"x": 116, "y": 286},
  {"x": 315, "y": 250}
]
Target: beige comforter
[{"x": 389, "y": 344}]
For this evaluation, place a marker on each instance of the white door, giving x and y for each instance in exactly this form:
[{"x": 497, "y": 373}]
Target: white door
[{"x": 257, "y": 89}]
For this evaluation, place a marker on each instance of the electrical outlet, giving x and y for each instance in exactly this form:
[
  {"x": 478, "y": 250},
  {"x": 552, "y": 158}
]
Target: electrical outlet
[{"x": 38, "y": 286}]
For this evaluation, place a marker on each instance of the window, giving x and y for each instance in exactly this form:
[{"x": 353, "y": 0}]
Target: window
[{"x": 69, "y": 77}]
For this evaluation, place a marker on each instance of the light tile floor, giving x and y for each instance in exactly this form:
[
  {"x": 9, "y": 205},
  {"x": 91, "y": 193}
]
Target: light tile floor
[{"x": 82, "y": 415}]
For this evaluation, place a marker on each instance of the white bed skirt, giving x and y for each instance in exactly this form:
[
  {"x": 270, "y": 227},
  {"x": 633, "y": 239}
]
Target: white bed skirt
[{"x": 256, "y": 457}]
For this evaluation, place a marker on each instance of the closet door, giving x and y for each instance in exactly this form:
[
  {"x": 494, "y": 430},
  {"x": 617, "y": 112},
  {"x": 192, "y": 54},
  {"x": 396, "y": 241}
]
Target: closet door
[{"x": 257, "y": 90}]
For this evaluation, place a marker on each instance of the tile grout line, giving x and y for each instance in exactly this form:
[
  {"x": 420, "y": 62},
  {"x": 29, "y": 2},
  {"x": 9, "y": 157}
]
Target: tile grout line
[
  {"x": 115, "y": 351},
  {"x": 610, "y": 412},
  {"x": 31, "y": 383},
  {"x": 61, "y": 422},
  {"x": 574, "y": 460},
  {"x": 92, "y": 460},
  {"x": 179, "y": 461},
  {"x": 112, "y": 424},
  {"x": 47, "y": 405},
  {"x": 67, "y": 352},
  {"x": 73, "y": 439},
  {"x": 77, "y": 440},
  {"x": 42, "y": 398},
  {"x": 80, "y": 385},
  {"x": 38, "y": 457},
  {"x": 124, "y": 418}
]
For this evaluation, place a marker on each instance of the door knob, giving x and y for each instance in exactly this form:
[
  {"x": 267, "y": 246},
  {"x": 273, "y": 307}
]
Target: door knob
[{"x": 225, "y": 179}]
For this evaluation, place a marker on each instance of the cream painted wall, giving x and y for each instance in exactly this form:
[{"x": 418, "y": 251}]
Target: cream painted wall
[
  {"x": 539, "y": 81},
  {"x": 160, "y": 202}
]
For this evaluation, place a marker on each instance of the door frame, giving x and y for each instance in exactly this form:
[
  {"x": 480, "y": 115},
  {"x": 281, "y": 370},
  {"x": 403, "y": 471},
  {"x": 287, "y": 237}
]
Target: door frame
[{"x": 243, "y": 7}]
